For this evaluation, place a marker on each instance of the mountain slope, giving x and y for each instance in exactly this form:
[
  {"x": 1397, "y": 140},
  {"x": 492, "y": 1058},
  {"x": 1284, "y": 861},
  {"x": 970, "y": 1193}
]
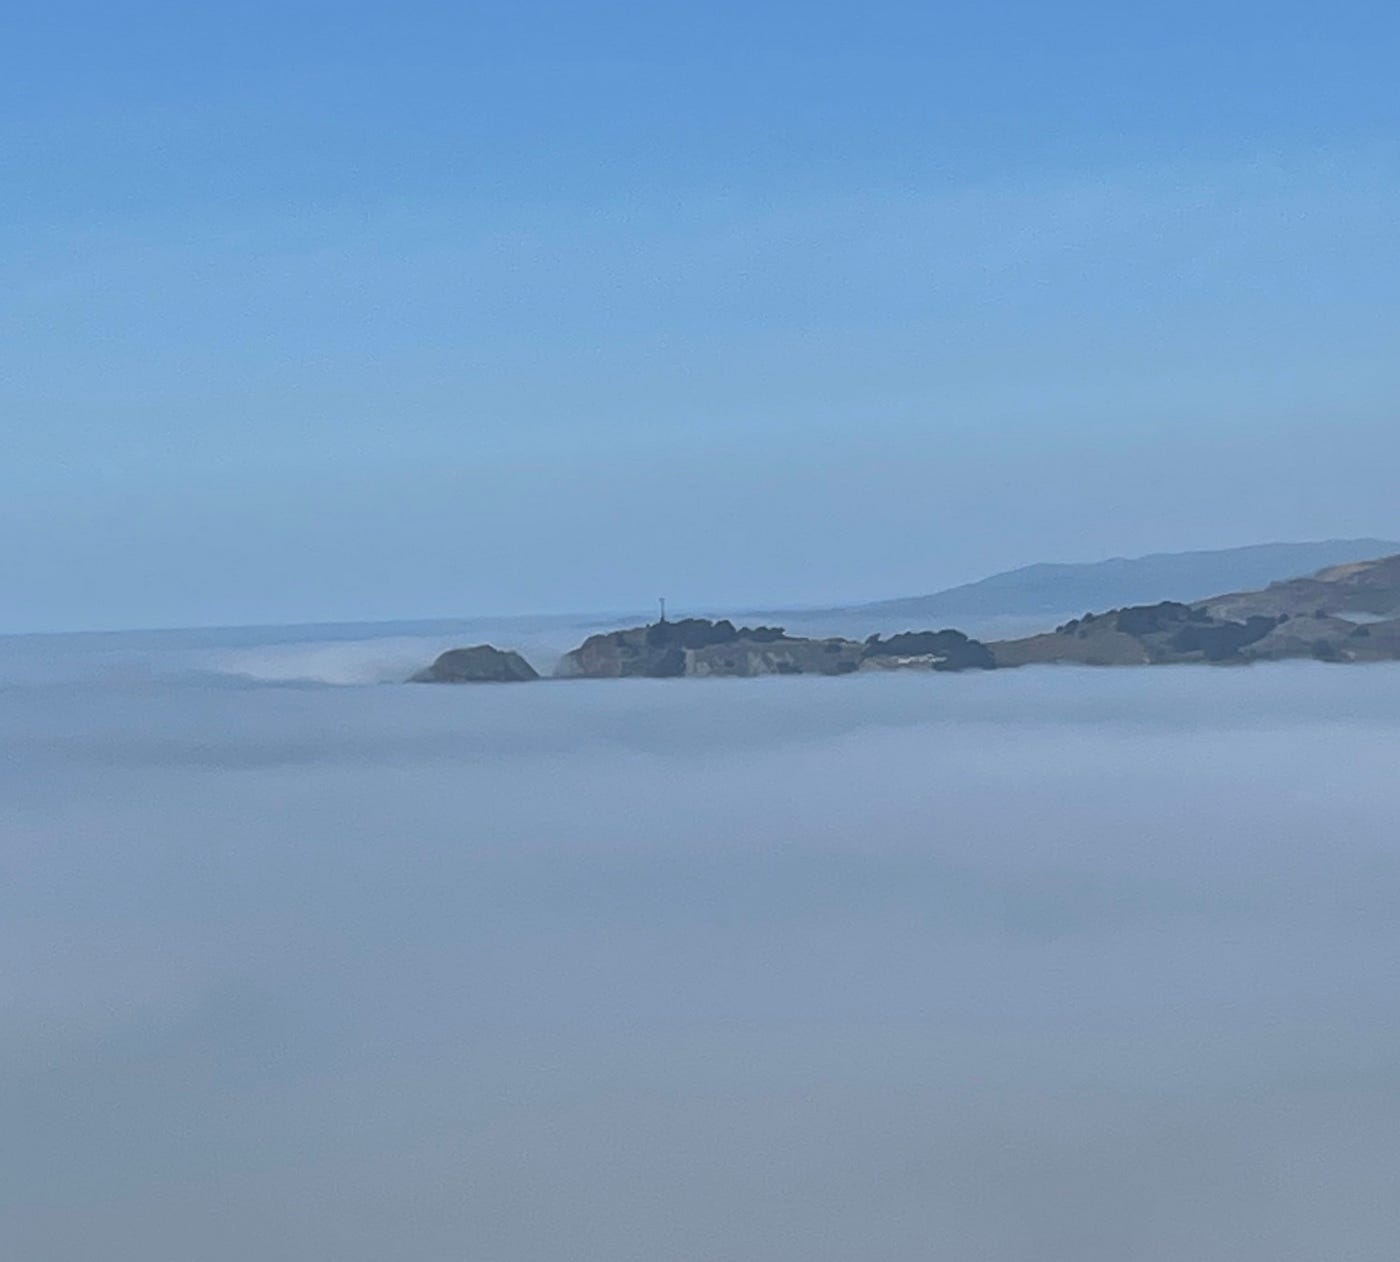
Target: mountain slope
[
  {"x": 1182, "y": 576},
  {"x": 1363, "y": 591},
  {"x": 1345, "y": 613}
]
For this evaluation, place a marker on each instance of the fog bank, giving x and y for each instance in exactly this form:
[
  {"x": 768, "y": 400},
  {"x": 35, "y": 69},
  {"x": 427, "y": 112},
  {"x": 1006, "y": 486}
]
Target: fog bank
[{"x": 1047, "y": 964}]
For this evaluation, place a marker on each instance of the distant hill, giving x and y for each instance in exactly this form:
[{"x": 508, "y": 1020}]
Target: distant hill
[
  {"x": 1181, "y": 576},
  {"x": 1345, "y": 613}
]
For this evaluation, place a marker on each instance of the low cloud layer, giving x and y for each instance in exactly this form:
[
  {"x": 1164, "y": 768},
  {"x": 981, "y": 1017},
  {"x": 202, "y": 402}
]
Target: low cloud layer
[{"x": 1048, "y": 964}]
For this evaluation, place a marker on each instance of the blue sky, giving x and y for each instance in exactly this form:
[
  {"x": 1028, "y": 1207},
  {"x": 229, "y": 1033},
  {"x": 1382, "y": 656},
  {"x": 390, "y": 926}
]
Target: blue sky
[{"x": 315, "y": 311}]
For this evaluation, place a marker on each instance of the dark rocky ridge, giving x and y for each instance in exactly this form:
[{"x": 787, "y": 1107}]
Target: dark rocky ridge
[
  {"x": 479, "y": 664},
  {"x": 699, "y": 647},
  {"x": 938, "y": 650}
]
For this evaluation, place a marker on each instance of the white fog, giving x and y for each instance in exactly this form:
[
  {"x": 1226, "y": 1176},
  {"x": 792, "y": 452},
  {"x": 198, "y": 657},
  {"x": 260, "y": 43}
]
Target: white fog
[{"x": 1054, "y": 963}]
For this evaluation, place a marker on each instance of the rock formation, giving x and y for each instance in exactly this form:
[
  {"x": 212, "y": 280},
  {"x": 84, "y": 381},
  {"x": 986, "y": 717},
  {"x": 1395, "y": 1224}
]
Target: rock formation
[
  {"x": 699, "y": 647},
  {"x": 935, "y": 650},
  {"x": 1349, "y": 613},
  {"x": 479, "y": 664}
]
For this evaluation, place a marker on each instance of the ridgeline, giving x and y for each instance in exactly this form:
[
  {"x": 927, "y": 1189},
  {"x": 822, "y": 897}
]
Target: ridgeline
[{"x": 1348, "y": 613}]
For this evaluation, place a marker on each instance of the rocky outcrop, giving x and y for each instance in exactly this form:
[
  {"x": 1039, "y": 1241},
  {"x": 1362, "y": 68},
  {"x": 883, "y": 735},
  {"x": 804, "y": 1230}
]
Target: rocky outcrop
[
  {"x": 744, "y": 658},
  {"x": 701, "y": 648},
  {"x": 479, "y": 664},
  {"x": 698, "y": 646},
  {"x": 932, "y": 650}
]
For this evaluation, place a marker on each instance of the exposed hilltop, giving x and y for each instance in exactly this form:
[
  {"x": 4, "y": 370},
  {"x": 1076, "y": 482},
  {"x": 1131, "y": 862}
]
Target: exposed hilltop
[
  {"x": 1362, "y": 591},
  {"x": 1345, "y": 613}
]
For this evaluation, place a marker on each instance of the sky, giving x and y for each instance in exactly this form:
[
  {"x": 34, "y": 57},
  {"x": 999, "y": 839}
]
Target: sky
[{"x": 339, "y": 311}]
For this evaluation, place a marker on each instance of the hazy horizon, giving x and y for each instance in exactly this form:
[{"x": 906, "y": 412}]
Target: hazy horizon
[
  {"x": 357, "y": 314},
  {"x": 530, "y": 621}
]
